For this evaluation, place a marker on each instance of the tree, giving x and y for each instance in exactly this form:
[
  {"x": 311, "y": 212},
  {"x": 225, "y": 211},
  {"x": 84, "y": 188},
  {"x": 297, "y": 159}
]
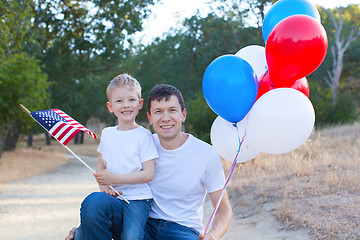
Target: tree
[
  {"x": 249, "y": 12},
  {"x": 341, "y": 44},
  {"x": 82, "y": 45},
  {"x": 22, "y": 81},
  {"x": 21, "y": 77},
  {"x": 14, "y": 24}
]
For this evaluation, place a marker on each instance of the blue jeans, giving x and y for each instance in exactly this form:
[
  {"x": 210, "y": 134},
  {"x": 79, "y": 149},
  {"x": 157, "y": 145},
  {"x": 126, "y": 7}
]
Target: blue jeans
[
  {"x": 158, "y": 229},
  {"x": 104, "y": 217}
]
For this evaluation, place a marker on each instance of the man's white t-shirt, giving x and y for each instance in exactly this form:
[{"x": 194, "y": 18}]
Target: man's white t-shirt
[
  {"x": 123, "y": 152},
  {"x": 182, "y": 177}
]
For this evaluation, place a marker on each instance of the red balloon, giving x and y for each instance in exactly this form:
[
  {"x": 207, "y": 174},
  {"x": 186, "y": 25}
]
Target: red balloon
[
  {"x": 266, "y": 84},
  {"x": 295, "y": 48}
]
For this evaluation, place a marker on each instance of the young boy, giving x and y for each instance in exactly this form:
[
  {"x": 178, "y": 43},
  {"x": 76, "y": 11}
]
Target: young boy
[{"x": 126, "y": 161}]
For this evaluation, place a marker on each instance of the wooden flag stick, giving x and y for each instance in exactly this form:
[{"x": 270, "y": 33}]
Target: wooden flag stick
[{"x": 74, "y": 154}]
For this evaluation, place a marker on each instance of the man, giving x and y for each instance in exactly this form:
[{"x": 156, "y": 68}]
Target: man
[{"x": 186, "y": 169}]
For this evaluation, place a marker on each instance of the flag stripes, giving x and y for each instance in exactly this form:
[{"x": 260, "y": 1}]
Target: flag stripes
[
  {"x": 73, "y": 122},
  {"x": 60, "y": 125}
]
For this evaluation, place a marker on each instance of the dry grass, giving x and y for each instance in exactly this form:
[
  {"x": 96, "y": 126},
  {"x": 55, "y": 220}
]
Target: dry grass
[
  {"x": 24, "y": 163},
  {"x": 316, "y": 186},
  {"x": 41, "y": 158},
  {"x": 87, "y": 149}
]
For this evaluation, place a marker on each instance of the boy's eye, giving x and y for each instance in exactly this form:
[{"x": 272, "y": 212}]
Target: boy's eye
[
  {"x": 132, "y": 100},
  {"x": 118, "y": 100}
]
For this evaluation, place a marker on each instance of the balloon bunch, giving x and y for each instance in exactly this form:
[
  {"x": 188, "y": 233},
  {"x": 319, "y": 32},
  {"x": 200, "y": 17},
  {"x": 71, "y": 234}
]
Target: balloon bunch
[{"x": 260, "y": 94}]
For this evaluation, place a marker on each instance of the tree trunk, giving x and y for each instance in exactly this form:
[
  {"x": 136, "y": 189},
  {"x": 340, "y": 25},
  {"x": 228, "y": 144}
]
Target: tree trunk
[
  {"x": 76, "y": 138},
  {"x": 338, "y": 51},
  {"x": 30, "y": 140},
  {"x": 47, "y": 138},
  {"x": 2, "y": 134},
  {"x": 11, "y": 138},
  {"x": 81, "y": 137},
  {"x": 1, "y": 144}
]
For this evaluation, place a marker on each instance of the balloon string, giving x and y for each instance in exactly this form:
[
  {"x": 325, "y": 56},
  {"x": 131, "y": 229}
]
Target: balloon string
[
  {"x": 227, "y": 180},
  {"x": 259, "y": 83}
]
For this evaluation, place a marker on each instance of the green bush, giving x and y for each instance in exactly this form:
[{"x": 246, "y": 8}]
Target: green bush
[
  {"x": 344, "y": 111},
  {"x": 200, "y": 117}
]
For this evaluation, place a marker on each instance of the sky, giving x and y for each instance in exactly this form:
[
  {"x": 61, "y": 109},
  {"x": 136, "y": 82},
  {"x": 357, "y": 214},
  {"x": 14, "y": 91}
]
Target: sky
[{"x": 170, "y": 13}]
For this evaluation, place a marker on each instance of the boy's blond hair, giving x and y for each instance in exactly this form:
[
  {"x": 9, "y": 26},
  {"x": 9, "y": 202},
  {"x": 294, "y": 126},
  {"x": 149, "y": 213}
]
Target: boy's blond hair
[{"x": 124, "y": 80}]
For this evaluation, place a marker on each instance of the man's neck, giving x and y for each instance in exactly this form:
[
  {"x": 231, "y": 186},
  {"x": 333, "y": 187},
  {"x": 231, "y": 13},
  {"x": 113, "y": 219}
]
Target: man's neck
[{"x": 170, "y": 144}]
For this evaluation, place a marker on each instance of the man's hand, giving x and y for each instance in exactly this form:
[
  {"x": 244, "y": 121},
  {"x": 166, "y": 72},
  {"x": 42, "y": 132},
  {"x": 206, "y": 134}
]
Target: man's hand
[
  {"x": 71, "y": 234},
  {"x": 104, "y": 177},
  {"x": 208, "y": 236}
]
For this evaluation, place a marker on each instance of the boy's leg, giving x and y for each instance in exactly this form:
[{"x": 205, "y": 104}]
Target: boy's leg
[
  {"x": 135, "y": 216},
  {"x": 99, "y": 214}
]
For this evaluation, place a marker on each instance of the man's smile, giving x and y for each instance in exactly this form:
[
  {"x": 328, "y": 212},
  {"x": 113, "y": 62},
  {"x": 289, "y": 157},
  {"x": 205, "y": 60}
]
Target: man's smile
[{"x": 166, "y": 126}]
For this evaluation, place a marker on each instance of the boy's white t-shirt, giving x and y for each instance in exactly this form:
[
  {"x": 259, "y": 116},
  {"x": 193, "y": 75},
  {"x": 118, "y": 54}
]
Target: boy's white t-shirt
[
  {"x": 123, "y": 152},
  {"x": 182, "y": 177}
]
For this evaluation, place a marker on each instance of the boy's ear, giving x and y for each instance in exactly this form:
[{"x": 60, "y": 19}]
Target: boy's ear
[
  {"x": 109, "y": 106},
  {"x": 141, "y": 103}
]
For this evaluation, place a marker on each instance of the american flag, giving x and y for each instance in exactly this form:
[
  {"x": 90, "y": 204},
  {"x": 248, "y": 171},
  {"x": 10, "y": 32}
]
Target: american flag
[{"x": 60, "y": 125}]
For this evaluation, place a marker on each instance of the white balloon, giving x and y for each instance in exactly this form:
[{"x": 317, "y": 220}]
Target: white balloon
[
  {"x": 225, "y": 139},
  {"x": 255, "y": 56},
  {"x": 280, "y": 121}
]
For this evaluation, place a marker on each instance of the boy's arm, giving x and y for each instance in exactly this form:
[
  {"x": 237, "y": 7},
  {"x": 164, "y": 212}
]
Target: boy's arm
[
  {"x": 100, "y": 163},
  {"x": 105, "y": 177},
  {"x": 100, "y": 166}
]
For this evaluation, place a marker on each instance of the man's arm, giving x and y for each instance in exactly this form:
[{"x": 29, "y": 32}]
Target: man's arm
[{"x": 222, "y": 218}]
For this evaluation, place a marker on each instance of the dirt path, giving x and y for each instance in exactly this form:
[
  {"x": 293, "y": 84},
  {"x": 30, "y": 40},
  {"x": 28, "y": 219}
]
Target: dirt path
[
  {"x": 260, "y": 226},
  {"x": 47, "y": 207}
]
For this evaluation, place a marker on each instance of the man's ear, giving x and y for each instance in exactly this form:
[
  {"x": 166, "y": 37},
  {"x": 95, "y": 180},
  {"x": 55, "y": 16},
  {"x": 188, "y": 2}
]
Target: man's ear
[
  {"x": 149, "y": 117},
  {"x": 184, "y": 113},
  {"x": 109, "y": 106}
]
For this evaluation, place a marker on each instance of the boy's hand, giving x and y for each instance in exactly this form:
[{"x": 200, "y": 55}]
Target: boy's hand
[
  {"x": 108, "y": 190},
  {"x": 104, "y": 177}
]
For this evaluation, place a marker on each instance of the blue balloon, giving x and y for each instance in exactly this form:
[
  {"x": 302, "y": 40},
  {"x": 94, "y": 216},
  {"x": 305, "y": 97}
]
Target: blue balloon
[
  {"x": 230, "y": 87},
  {"x": 286, "y": 8}
]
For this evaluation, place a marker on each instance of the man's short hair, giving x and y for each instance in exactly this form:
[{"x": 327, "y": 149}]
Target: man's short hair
[
  {"x": 124, "y": 80},
  {"x": 164, "y": 91}
]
